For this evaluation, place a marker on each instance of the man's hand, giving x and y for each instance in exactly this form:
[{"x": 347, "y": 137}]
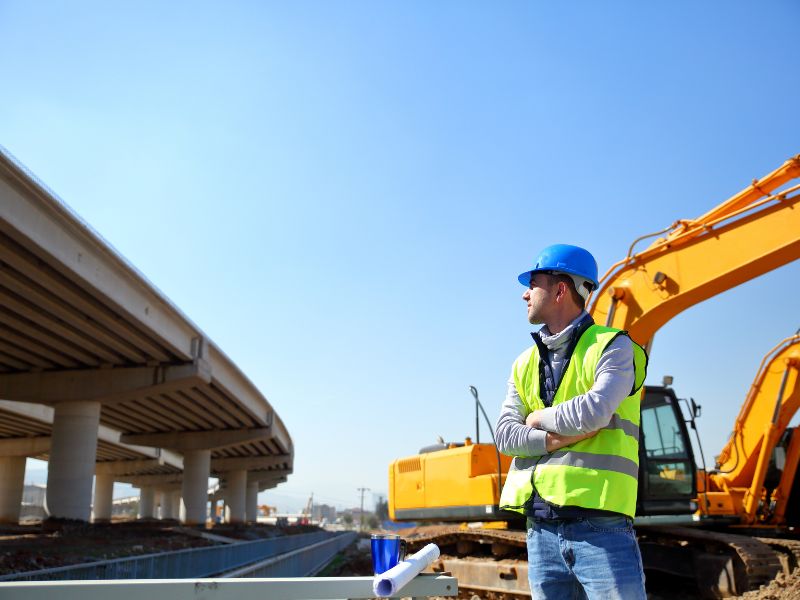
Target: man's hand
[
  {"x": 532, "y": 420},
  {"x": 556, "y": 441}
]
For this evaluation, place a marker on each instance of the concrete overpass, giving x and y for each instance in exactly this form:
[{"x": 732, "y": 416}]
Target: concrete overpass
[{"x": 85, "y": 334}]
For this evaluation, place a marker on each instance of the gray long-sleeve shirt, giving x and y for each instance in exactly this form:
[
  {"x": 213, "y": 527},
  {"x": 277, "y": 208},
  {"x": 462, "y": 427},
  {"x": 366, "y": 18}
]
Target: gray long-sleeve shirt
[{"x": 614, "y": 378}]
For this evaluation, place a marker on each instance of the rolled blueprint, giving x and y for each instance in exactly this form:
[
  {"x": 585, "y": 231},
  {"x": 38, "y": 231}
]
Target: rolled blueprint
[{"x": 389, "y": 583}]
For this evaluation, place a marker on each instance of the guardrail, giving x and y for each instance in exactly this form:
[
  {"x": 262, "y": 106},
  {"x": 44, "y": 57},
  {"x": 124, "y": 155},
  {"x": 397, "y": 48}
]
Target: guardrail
[
  {"x": 206, "y": 562},
  {"x": 303, "y": 562},
  {"x": 312, "y": 588}
]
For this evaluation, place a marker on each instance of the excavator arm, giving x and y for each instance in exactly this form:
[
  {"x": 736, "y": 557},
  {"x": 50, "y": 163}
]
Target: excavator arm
[
  {"x": 772, "y": 401},
  {"x": 753, "y": 232}
]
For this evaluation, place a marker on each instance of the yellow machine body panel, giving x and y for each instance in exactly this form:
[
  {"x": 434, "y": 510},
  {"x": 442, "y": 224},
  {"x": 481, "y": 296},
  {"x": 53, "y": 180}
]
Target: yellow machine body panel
[
  {"x": 719, "y": 504},
  {"x": 453, "y": 484}
]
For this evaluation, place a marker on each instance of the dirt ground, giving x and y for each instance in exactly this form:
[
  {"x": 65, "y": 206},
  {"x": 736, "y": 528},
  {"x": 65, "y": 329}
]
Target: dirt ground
[
  {"x": 353, "y": 561},
  {"x": 55, "y": 544},
  {"x": 781, "y": 588}
]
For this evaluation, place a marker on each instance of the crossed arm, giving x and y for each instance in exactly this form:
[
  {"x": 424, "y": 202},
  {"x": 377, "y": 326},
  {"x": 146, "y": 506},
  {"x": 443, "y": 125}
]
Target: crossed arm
[
  {"x": 556, "y": 441},
  {"x": 520, "y": 432}
]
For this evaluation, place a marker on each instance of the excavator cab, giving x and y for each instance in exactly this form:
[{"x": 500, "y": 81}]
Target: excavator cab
[{"x": 666, "y": 462}]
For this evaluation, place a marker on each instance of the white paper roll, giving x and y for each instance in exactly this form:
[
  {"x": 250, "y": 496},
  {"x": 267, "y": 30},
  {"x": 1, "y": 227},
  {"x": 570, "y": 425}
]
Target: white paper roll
[{"x": 389, "y": 583}]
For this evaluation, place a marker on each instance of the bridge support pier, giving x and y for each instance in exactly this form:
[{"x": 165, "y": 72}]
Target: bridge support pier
[
  {"x": 194, "y": 492},
  {"x": 158, "y": 503},
  {"x": 73, "y": 453},
  {"x": 103, "y": 497},
  {"x": 251, "y": 510},
  {"x": 175, "y": 504},
  {"x": 12, "y": 483},
  {"x": 146, "y": 502},
  {"x": 166, "y": 505},
  {"x": 235, "y": 496}
]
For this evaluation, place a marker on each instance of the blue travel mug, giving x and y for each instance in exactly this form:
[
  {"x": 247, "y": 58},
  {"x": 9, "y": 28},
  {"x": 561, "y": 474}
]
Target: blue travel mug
[{"x": 387, "y": 551}]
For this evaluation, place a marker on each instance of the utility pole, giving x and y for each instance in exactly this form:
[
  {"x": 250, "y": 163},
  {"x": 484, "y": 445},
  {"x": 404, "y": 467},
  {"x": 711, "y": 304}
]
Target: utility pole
[{"x": 362, "y": 490}]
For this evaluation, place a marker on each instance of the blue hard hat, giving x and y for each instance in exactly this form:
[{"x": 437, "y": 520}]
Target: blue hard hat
[{"x": 563, "y": 258}]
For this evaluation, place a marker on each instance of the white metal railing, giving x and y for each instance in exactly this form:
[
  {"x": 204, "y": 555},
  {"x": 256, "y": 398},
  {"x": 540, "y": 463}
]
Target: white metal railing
[{"x": 301, "y": 588}]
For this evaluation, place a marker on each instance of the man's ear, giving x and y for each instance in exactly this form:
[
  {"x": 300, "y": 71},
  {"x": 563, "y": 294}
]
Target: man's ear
[{"x": 562, "y": 290}]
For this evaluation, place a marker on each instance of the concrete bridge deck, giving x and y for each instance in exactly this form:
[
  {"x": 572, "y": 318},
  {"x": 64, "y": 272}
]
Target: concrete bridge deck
[{"x": 85, "y": 334}]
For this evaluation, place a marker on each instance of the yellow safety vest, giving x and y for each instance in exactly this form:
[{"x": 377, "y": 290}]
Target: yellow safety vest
[{"x": 600, "y": 472}]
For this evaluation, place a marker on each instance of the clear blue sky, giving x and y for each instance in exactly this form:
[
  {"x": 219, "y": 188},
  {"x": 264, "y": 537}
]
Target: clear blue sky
[{"x": 341, "y": 194}]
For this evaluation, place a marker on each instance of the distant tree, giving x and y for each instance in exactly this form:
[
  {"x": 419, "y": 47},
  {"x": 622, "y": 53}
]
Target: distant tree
[
  {"x": 382, "y": 509},
  {"x": 373, "y": 522},
  {"x": 348, "y": 519}
]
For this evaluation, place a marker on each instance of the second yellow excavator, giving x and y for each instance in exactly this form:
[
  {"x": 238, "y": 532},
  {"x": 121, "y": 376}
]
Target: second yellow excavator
[{"x": 754, "y": 478}]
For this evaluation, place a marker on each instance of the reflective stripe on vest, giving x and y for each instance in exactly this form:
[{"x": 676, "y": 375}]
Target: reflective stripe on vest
[{"x": 600, "y": 472}]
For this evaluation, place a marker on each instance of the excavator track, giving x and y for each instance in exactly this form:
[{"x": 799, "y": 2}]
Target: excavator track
[
  {"x": 493, "y": 562},
  {"x": 447, "y": 536},
  {"x": 788, "y": 552},
  {"x": 490, "y": 563},
  {"x": 721, "y": 564}
]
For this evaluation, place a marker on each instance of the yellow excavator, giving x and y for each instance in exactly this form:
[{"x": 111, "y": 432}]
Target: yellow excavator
[
  {"x": 752, "y": 487},
  {"x": 755, "y": 475}
]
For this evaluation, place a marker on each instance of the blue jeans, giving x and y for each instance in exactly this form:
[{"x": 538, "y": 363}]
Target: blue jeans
[{"x": 587, "y": 558}]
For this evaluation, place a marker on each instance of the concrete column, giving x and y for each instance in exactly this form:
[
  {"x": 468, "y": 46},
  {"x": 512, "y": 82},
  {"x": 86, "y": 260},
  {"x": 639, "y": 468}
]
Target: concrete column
[
  {"x": 166, "y": 505},
  {"x": 251, "y": 511},
  {"x": 73, "y": 452},
  {"x": 235, "y": 496},
  {"x": 194, "y": 493},
  {"x": 175, "y": 504},
  {"x": 146, "y": 502},
  {"x": 103, "y": 497},
  {"x": 12, "y": 483},
  {"x": 158, "y": 503}
]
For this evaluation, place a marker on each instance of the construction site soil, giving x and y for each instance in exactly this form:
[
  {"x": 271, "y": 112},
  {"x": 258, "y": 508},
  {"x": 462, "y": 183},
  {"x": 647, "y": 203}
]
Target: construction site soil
[
  {"x": 783, "y": 587},
  {"x": 56, "y": 543},
  {"x": 59, "y": 543}
]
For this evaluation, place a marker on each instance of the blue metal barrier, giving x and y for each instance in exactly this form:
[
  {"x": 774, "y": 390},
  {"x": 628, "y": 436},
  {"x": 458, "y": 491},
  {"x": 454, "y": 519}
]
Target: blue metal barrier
[
  {"x": 302, "y": 562},
  {"x": 191, "y": 563}
]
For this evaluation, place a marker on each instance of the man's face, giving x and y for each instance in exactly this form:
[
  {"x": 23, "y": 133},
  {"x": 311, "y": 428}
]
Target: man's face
[{"x": 540, "y": 297}]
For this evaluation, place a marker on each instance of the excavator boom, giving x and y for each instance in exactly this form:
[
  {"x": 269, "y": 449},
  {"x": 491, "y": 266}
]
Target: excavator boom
[
  {"x": 738, "y": 484},
  {"x": 748, "y": 235}
]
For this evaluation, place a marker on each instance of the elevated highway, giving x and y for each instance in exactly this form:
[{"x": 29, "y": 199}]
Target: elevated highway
[{"x": 84, "y": 333}]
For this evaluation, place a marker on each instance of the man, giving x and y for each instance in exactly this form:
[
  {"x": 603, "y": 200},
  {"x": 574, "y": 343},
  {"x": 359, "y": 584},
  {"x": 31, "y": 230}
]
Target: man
[{"x": 571, "y": 420}]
